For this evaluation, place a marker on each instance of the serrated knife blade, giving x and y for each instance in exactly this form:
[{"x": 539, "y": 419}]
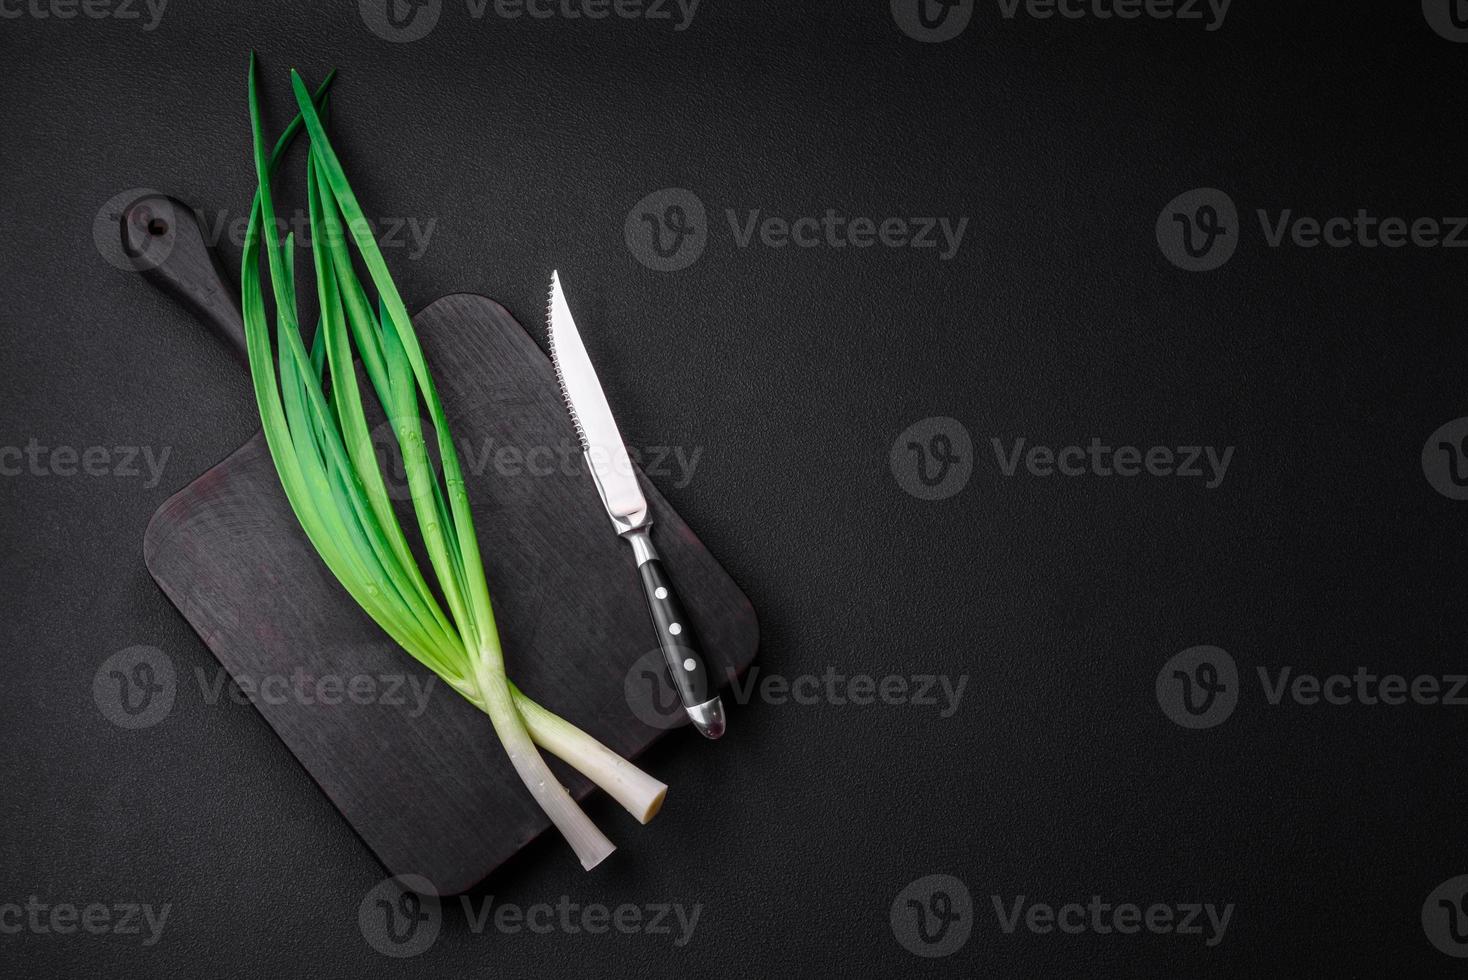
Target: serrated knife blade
[
  {"x": 602, "y": 443},
  {"x": 616, "y": 482}
]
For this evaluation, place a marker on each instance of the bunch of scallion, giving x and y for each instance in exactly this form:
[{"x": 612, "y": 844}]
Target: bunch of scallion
[{"x": 315, "y": 423}]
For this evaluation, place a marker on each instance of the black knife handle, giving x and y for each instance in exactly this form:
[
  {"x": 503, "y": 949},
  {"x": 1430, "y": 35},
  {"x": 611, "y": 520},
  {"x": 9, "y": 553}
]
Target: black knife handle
[{"x": 676, "y": 635}]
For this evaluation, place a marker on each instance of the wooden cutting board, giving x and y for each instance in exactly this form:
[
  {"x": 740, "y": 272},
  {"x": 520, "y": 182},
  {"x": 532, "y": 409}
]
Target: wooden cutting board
[{"x": 423, "y": 780}]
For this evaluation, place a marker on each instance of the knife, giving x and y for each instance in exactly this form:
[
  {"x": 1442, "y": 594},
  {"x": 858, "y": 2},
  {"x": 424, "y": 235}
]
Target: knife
[{"x": 616, "y": 483}]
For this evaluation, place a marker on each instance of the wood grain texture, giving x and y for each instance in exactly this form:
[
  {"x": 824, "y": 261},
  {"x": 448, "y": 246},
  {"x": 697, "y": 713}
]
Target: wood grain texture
[{"x": 432, "y": 793}]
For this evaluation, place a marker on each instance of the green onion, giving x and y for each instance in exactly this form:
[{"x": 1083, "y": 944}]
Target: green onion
[{"x": 315, "y": 423}]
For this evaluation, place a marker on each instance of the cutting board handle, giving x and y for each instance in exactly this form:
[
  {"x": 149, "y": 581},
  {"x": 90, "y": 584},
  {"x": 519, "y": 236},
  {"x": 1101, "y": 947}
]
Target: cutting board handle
[{"x": 165, "y": 239}]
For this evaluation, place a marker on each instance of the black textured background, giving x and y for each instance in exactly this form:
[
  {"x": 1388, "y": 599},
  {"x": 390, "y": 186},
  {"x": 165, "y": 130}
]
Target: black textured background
[{"x": 795, "y": 370}]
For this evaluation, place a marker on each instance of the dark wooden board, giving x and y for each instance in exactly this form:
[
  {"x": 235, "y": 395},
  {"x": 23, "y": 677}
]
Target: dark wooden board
[{"x": 432, "y": 793}]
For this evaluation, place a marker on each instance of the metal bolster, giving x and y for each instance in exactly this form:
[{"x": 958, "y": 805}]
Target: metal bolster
[{"x": 641, "y": 540}]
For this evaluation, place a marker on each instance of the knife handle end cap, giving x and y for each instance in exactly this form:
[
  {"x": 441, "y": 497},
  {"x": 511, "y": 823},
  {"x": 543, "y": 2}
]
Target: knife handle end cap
[{"x": 708, "y": 717}]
